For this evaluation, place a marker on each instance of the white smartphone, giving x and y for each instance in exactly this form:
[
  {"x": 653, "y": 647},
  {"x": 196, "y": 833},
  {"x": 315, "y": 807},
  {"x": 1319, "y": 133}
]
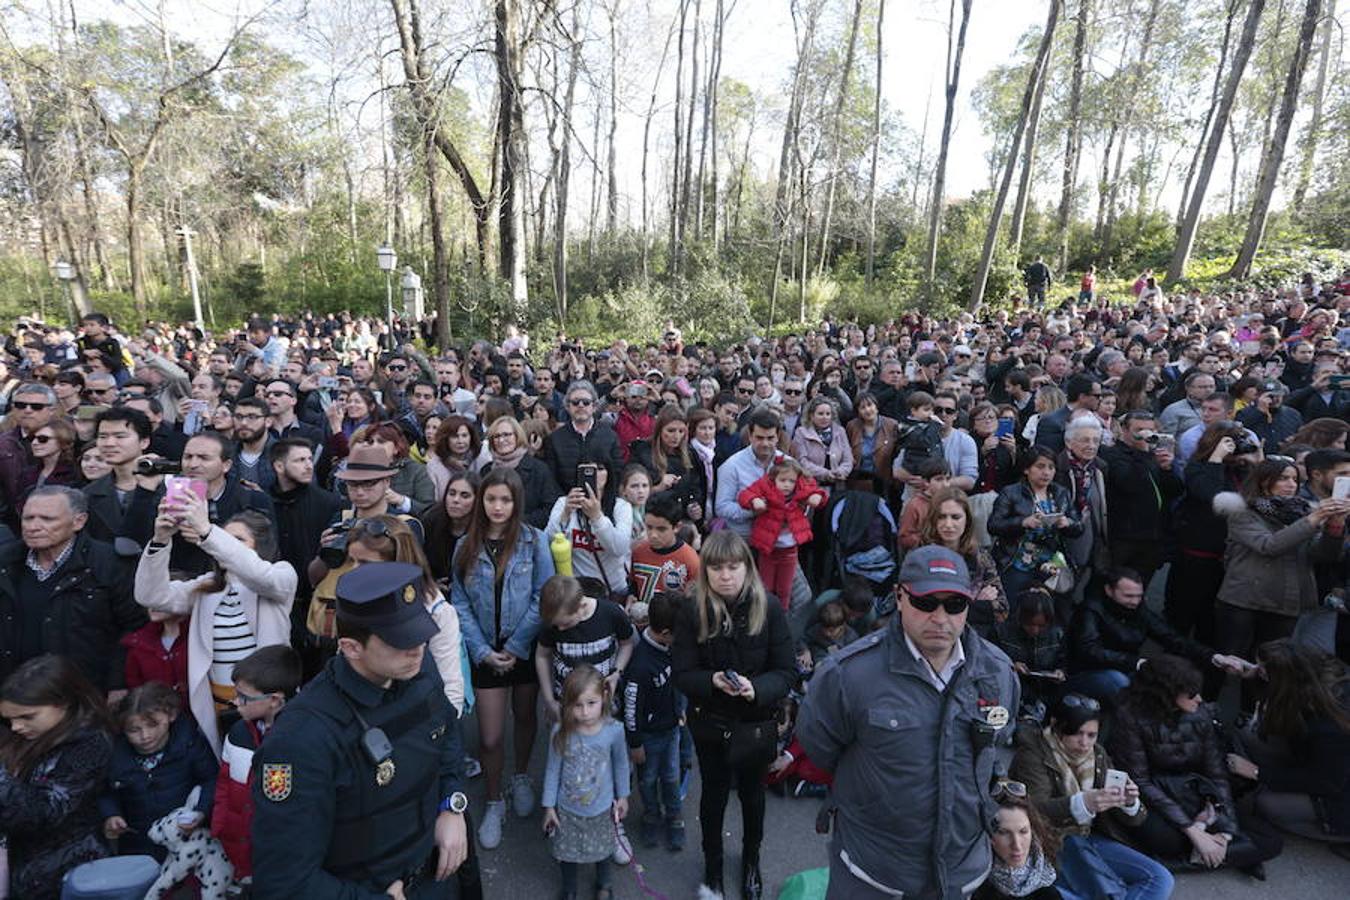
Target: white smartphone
[
  {"x": 1115, "y": 779},
  {"x": 1340, "y": 488}
]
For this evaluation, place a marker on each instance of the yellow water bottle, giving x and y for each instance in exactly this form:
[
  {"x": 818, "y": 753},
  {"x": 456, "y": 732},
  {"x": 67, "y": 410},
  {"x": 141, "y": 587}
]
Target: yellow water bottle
[{"x": 561, "y": 548}]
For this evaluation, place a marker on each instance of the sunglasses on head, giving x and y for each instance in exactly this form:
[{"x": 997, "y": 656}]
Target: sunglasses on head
[
  {"x": 1007, "y": 788},
  {"x": 952, "y": 604},
  {"x": 373, "y": 527},
  {"x": 1079, "y": 701}
]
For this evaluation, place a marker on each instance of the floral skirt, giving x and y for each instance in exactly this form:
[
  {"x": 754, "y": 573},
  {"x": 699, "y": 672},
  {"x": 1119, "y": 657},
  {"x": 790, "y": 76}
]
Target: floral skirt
[{"x": 583, "y": 839}]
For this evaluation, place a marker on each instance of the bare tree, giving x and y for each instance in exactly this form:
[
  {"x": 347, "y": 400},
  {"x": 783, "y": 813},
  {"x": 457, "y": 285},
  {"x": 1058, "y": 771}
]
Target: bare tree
[
  {"x": 876, "y": 148},
  {"x": 836, "y": 138},
  {"x": 996, "y": 214},
  {"x": 510, "y": 141},
  {"x": 1314, "y": 132},
  {"x": 565, "y": 169},
  {"x": 952, "y": 82},
  {"x": 1028, "y": 162},
  {"x": 1186, "y": 239},
  {"x": 1233, "y": 6},
  {"x": 1274, "y": 155},
  {"x": 1073, "y": 131}
]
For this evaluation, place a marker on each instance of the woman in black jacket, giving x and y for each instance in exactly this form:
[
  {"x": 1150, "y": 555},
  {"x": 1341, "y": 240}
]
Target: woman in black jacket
[
  {"x": 733, "y": 659},
  {"x": 1165, "y": 738},
  {"x": 1299, "y": 754},
  {"x": 510, "y": 450},
  {"x": 54, "y": 753},
  {"x": 1197, "y": 572},
  {"x": 1030, "y": 522},
  {"x": 673, "y": 465}
]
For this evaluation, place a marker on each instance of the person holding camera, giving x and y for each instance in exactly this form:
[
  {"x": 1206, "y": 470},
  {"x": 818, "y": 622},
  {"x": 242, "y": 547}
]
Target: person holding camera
[
  {"x": 1140, "y": 490},
  {"x": 125, "y": 494}
]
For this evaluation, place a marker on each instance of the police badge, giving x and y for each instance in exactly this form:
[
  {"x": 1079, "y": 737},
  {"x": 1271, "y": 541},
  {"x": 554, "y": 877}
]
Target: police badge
[{"x": 384, "y": 772}]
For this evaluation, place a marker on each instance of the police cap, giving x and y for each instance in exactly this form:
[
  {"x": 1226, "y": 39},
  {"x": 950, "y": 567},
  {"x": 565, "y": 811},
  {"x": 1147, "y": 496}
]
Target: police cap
[{"x": 386, "y": 598}]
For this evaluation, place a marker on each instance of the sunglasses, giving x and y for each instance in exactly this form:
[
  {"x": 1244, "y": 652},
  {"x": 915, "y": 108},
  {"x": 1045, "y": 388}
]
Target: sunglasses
[
  {"x": 24, "y": 404},
  {"x": 1007, "y": 788},
  {"x": 280, "y": 394},
  {"x": 373, "y": 527},
  {"x": 43, "y": 438},
  {"x": 793, "y": 392},
  {"x": 945, "y": 410},
  {"x": 580, "y": 401},
  {"x": 397, "y": 368},
  {"x": 1079, "y": 701},
  {"x": 952, "y": 606}
]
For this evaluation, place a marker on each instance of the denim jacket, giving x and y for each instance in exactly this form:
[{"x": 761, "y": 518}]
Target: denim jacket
[{"x": 474, "y": 598}]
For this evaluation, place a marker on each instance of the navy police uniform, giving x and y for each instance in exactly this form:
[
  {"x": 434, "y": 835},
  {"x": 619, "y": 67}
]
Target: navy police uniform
[{"x": 339, "y": 813}]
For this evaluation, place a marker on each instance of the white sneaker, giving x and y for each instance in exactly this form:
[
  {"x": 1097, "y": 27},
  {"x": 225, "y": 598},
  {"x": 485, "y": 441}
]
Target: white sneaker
[
  {"x": 623, "y": 853},
  {"x": 522, "y": 796},
  {"x": 490, "y": 829}
]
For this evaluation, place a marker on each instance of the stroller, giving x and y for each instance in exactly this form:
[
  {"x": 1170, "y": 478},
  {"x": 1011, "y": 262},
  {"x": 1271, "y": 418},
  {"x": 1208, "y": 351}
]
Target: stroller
[{"x": 864, "y": 541}]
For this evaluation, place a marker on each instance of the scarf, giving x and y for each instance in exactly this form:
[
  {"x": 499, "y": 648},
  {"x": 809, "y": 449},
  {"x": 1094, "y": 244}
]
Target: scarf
[
  {"x": 508, "y": 460},
  {"x": 1078, "y": 470},
  {"x": 1283, "y": 511},
  {"x": 1078, "y": 774},
  {"x": 1037, "y": 873}
]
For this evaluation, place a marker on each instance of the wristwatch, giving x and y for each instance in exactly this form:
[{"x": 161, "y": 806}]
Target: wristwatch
[{"x": 455, "y": 803}]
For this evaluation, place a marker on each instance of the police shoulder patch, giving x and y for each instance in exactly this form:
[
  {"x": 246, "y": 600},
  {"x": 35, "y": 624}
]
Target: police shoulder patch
[{"x": 276, "y": 781}]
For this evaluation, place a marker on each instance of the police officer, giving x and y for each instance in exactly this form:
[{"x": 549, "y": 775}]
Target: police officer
[
  {"x": 915, "y": 723},
  {"x": 357, "y": 790}
]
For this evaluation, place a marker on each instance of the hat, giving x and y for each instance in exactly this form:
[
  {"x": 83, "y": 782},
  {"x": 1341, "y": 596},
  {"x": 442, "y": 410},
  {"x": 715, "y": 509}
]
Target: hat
[
  {"x": 933, "y": 569},
  {"x": 367, "y": 462},
  {"x": 1273, "y": 387},
  {"x": 385, "y": 598},
  {"x": 961, "y": 350}
]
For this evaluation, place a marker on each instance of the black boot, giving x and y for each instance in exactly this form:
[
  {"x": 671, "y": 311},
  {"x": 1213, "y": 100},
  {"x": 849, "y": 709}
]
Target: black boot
[
  {"x": 712, "y": 876},
  {"x": 752, "y": 883}
]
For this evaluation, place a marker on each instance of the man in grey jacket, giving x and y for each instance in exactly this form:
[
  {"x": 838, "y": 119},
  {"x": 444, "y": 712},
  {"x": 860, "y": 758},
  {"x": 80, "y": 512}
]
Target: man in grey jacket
[{"x": 916, "y": 723}]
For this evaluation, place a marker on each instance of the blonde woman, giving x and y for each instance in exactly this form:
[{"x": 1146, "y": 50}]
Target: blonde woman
[{"x": 733, "y": 659}]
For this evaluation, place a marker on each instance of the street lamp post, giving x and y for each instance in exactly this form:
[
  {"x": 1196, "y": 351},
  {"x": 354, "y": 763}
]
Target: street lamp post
[
  {"x": 65, "y": 273},
  {"x": 388, "y": 260},
  {"x": 412, "y": 294}
]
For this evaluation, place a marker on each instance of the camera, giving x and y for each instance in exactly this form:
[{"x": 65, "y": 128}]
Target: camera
[
  {"x": 1152, "y": 438},
  {"x": 158, "y": 467},
  {"x": 1245, "y": 447},
  {"x": 335, "y": 554}
]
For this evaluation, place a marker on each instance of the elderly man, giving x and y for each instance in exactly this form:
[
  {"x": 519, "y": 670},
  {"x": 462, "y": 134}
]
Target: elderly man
[
  {"x": 33, "y": 406},
  {"x": 1186, "y": 413},
  {"x": 916, "y": 723},
  {"x": 63, "y": 593}
]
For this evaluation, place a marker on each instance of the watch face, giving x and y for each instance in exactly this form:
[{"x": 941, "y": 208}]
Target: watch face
[{"x": 458, "y": 802}]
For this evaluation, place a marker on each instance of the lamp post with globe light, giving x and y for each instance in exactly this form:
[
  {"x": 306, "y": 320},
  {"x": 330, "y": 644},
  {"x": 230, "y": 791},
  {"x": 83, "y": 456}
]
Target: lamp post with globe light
[
  {"x": 65, "y": 273},
  {"x": 388, "y": 260}
]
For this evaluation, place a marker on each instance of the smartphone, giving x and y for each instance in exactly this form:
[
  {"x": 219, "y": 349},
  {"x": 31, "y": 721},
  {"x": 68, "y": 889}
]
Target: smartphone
[
  {"x": 1250, "y": 348},
  {"x": 1005, "y": 428},
  {"x": 327, "y": 383},
  {"x": 1115, "y": 779},
  {"x": 199, "y": 407},
  {"x": 1338, "y": 382},
  {"x": 1340, "y": 488},
  {"x": 732, "y": 678},
  {"x": 587, "y": 476},
  {"x": 177, "y": 487}
]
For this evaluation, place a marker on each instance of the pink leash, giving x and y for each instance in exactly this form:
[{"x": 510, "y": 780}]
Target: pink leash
[{"x": 638, "y": 868}]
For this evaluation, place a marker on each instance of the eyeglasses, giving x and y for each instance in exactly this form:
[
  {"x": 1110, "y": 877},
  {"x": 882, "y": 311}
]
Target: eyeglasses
[
  {"x": 501, "y": 435},
  {"x": 279, "y": 394},
  {"x": 24, "y": 404},
  {"x": 1079, "y": 701},
  {"x": 105, "y": 390},
  {"x": 1007, "y": 788},
  {"x": 951, "y": 605},
  {"x": 242, "y": 699},
  {"x": 580, "y": 401}
]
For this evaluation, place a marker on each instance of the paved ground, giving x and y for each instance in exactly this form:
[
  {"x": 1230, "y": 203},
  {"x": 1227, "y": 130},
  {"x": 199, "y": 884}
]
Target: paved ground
[{"x": 522, "y": 867}]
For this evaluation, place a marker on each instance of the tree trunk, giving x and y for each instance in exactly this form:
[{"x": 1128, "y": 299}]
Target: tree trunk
[
  {"x": 687, "y": 182},
  {"x": 440, "y": 254},
  {"x": 612, "y": 199},
  {"x": 792, "y": 123},
  {"x": 953, "y": 81},
  {"x": 1314, "y": 132},
  {"x": 646, "y": 145},
  {"x": 1235, "y": 147},
  {"x": 1136, "y": 76},
  {"x": 677, "y": 169},
  {"x": 511, "y": 128},
  {"x": 1028, "y": 161},
  {"x": 1224, "y": 46},
  {"x": 996, "y": 215},
  {"x": 1073, "y": 139},
  {"x": 876, "y": 148},
  {"x": 1186, "y": 240},
  {"x": 1274, "y": 155},
  {"x": 836, "y": 138},
  {"x": 564, "y": 172}
]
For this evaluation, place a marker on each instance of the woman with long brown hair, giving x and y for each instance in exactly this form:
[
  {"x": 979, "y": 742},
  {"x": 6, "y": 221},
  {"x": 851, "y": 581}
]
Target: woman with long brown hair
[
  {"x": 950, "y": 523},
  {"x": 500, "y": 566},
  {"x": 672, "y": 463},
  {"x": 54, "y": 752},
  {"x": 454, "y": 448}
]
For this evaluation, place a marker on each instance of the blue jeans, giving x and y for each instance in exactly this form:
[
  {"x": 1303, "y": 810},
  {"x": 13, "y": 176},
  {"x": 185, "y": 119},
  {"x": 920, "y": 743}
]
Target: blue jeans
[
  {"x": 1099, "y": 684},
  {"x": 1095, "y": 866},
  {"x": 659, "y": 775}
]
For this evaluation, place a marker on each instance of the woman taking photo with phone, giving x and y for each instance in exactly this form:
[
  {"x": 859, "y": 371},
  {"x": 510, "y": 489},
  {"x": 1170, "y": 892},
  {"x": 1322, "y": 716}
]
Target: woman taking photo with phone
[{"x": 733, "y": 659}]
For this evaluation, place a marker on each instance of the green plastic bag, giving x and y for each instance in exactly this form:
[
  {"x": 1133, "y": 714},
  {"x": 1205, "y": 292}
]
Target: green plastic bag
[{"x": 808, "y": 885}]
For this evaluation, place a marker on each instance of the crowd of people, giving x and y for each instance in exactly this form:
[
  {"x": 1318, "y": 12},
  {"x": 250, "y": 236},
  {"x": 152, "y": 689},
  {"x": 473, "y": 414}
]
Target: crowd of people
[{"x": 975, "y": 585}]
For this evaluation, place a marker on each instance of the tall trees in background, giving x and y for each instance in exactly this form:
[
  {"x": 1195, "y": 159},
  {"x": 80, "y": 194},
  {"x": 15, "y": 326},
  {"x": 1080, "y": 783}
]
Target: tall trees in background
[{"x": 956, "y": 49}]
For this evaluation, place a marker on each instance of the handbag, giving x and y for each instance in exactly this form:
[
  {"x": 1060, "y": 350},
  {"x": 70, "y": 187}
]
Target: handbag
[{"x": 746, "y": 743}]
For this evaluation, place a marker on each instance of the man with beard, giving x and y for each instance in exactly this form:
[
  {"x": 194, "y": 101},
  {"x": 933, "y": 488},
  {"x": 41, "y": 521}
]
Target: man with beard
[{"x": 254, "y": 439}]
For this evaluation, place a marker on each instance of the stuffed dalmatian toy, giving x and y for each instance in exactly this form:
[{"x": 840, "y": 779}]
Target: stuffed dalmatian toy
[{"x": 192, "y": 853}]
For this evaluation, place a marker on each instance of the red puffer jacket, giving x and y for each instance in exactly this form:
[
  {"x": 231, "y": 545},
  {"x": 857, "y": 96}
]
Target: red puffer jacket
[
  {"x": 147, "y": 660},
  {"x": 232, "y": 815},
  {"x": 782, "y": 512}
]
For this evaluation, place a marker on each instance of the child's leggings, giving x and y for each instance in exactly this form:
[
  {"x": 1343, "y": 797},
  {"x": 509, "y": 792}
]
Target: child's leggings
[
  {"x": 777, "y": 569},
  {"x": 569, "y": 876}
]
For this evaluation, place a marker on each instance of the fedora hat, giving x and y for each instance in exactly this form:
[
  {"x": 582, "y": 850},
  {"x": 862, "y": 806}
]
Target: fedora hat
[{"x": 367, "y": 462}]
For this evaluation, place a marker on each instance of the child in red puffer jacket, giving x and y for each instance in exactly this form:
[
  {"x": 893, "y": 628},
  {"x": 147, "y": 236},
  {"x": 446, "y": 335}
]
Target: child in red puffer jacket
[
  {"x": 263, "y": 682},
  {"x": 780, "y": 501},
  {"x": 157, "y": 651}
]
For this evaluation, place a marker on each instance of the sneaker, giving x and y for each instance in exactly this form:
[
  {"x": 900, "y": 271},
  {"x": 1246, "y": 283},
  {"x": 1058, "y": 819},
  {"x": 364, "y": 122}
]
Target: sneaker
[
  {"x": 522, "y": 796},
  {"x": 472, "y": 767},
  {"x": 807, "y": 789},
  {"x": 674, "y": 835},
  {"x": 623, "y": 853},
  {"x": 650, "y": 835},
  {"x": 490, "y": 829}
]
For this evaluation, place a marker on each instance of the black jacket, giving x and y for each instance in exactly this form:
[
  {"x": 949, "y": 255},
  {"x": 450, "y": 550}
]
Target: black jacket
[
  {"x": 1273, "y": 430},
  {"x": 1198, "y": 526},
  {"x": 1014, "y": 503},
  {"x": 1106, "y": 635},
  {"x": 691, "y": 487},
  {"x": 651, "y": 705},
  {"x": 142, "y": 796},
  {"x": 765, "y": 658},
  {"x": 541, "y": 489},
  {"x": 302, "y": 514},
  {"x": 92, "y": 607},
  {"x": 1139, "y": 495},
  {"x": 1319, "y": 768},
  {"x": 107, "y": 520},
  {"x": 564, "y": 448},
  {"x": 1311, "y": 406}
]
